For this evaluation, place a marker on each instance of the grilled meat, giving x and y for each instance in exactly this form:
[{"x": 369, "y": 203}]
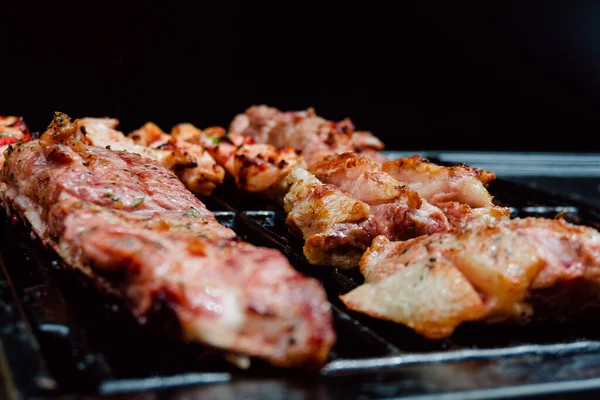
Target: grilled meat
[
  {"x": 306, "y": 131},
  {"x": 130, "y": 224},
  {"x": 339, "y": 225},
  {"x": 254, "y": 167},
  {"x": 459, "y": 215},
  {"x": 197, "y": 169},
  {"x": 439, "y": 184},
  {"x": 12, "y": 130},
  {"x": 401, "y": 212},
  {"x": 194, "y": 166},
  {"x": 337, "y": 228},
  {"x": 487, "y": 271},
  {"x": 338, "y": 154},
  {"x": 257, "y": 167},
  {"x": 102, "y": 132},
  {"x": 460, "y": 191}
]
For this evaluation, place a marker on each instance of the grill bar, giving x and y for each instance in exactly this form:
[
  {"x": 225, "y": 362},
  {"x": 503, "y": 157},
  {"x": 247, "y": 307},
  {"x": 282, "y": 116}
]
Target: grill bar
[{"x": 23, "y": 367}]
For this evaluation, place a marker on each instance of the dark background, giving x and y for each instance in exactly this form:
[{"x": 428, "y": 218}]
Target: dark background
[{"x": 522, "y": 75}]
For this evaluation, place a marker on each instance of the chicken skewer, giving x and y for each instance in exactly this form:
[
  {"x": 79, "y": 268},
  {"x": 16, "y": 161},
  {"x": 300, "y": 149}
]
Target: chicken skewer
[
  {"x": 258, "y": 168},
  {"x": 131, "y": 226}
]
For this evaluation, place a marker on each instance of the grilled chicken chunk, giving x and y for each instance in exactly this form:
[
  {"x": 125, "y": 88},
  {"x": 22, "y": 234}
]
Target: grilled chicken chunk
[
  {"x": 102, "y": 132},
  {"x": 459, "y": 215},
  {"x": 131, "y": 226},
  {"x": 201, "y": 174},
  {"x": 401, "y": 212},
  {"x": 12, "y": 130},
  {"x": 337, "y": 228},
  {"x": 194, "y": 166},
  {"x": 460, "y": 191},
  {"x": 439, "y": 184},
  {"x": 306, "y": 131},
  {"x": 260, "y": 167},
  {"x": 254, "y": 167},
  {"x": 487, "y": 271},
  {"x": 338, "y": 220}
]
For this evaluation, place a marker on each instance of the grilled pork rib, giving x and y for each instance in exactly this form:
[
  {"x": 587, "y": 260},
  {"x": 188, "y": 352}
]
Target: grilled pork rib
[
  {"x": 487, "y": 271},
  {"x": 129, "y": 223}
]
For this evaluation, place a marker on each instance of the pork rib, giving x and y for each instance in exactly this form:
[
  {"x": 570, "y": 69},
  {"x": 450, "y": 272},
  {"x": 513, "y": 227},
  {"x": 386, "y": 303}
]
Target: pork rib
[{"x": 129, "y": 223}]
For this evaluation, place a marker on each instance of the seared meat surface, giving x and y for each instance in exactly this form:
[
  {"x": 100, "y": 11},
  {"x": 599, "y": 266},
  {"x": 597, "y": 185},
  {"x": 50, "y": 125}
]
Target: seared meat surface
[
  {"x": 306, "y": 131},
  {"x": 440, "y": 184},
  {"x": 131, "y": 225},
  {"x": 459, "y": 191},
  {"x": 336, "y": 227},
  {"x": 401, "y": 212},
  {"x": 486, "y": 271},
  {"x": 432, "y": 199},
  {"x": 13, "y": 129},
  {"x": 191, "y": 163},
  {"x": 254, "y": 167},
  {"x": 201, "y": 174}
]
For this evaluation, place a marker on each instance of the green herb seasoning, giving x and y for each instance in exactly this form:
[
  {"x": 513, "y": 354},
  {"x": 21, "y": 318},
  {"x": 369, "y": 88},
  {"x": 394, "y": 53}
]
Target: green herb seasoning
[
  {"x": 137, "y": 202},
  {"x": 193, "y": 213},
  {"x": 215, "y": 139}
]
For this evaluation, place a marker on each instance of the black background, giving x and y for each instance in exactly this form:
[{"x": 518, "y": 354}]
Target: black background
[{"x": 522, "y": 75}]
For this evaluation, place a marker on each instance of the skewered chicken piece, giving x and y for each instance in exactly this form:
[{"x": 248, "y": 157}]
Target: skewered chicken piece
[
  {"x": 254, "y": 167},
  {"x": 131, "y": 226},
  {"x": 485, "y": 272},
  {"x": 201, "y": 176},
  {"x": 306, "y": 131}
]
